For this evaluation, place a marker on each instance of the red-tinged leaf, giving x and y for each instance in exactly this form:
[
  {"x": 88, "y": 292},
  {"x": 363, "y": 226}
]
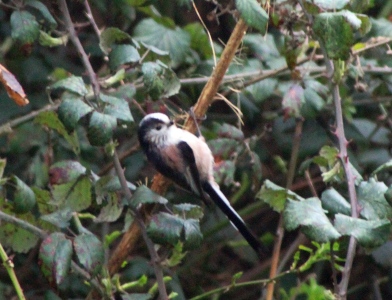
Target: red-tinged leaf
[
  {"x": 62, "y": 260},
  {"x": 89, "y": 251},
  {"x": 47, "y": 253}
]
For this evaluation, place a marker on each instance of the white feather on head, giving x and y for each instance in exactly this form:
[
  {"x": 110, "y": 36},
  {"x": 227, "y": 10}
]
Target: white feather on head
[{"x": 159, "y": 116}]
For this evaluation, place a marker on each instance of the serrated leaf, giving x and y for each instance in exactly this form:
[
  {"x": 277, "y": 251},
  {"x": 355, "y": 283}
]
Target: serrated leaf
[
  {"x": 51, "y": 120},
  {"x": 261, "y": 90},
  {"x": 65, "y": 171},
  {"x": 137, "y": 296},
  {"x": 228, "y": 131},
  {"x": 24, "y": 27},
  {"x": 116, "y": 107},
  {"x": 165, "y": 228},
  {"x": 75, "y": 195},
  {"x": 188, "y": 211},
  {"x": 334, "y": 203},
  {"x": 253, "y": 14},
  {"x": 111, "y": 211},
  {"x": 62, "y": 260},
  {"x": 175, "y": 41},
  {"x": 112, "y": 36},
  {"x": 193, "y": 235},
  {"x": 108, "y": 185},
  {"x": 329, "y": 5},
  {"x": 309, "y": 215},
  {"x": 59, "y": 218},
  {"x": 372, "y": 201},
  {"x": 276, "y": 196},
  {"x": 199, "y": 40},
  {"x": 71, "y": 110},
  {"x": 17, "y": 238},
  {"x": 47, "y": 253},
  {"x": 89, "y": 251},
  {"x": 23, "y": 197},
  {"x": 100, "y": 129},
  {"x": 122, "y": 54},
  {"x": 159, "y": 80},
  {"x": 72, "y": 84},
  {"x": 43, "y": 16},
  {"x": 336, "y": 31},
  {"x": 368, "y": 233},
  {"x": 144, "y": 195}
]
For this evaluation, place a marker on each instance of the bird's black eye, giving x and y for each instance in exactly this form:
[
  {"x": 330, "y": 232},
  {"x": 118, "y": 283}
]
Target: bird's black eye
[{"x": 158, "y": 127}]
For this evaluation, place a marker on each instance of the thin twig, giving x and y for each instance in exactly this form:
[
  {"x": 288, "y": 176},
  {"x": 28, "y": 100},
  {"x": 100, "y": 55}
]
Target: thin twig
[
  {"x": 7, "y": 127},
  {"x": 23, "y": 224},
  {"x": 90, "y": 17},
  {"x": 75, "y": 40}
]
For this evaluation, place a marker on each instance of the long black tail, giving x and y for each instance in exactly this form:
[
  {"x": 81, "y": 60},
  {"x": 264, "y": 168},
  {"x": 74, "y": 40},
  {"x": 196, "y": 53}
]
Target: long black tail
[{"x": 221, "y": 201}]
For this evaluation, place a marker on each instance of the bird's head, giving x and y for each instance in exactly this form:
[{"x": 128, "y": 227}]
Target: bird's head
[{"x": 154, "y": 129}]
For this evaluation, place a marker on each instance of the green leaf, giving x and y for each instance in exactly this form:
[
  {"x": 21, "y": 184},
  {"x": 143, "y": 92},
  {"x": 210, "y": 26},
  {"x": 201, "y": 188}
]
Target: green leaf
[
  {"x": 59, "y": 218},
  {"x": 100, "y": 129},
  {"x": 334, "y": 203},
  {"x": 15, "y": 237},
  {"x": 199, "y": 40},
  {"x": 262, "y": 90},
  {"x": 336, "y": 31},
  {"x": 384, "y": 167},
  {"x": 72, "y": 84},
  {"x": 329, "y": 5},
  {"x": 372, "y": 201},
  {"x": 165, "y": 228},
  {"x": 66, "y": 171},
  {"x": 368, "y": 233},
  {"x": 116, "y": 107},
  {"x": 144, "y": 195},
  {"x": 253, "y": 14},
  {"x": 188, "y": 211},
  {"x": 23, "y": 197},
  {"x": 107, "y": 185},
  {"x": 43, "y": 15},
  {"x": 193, "y": 235},
  {"x": 51, "y": 120},
  {"x": 24, "y": 27},
  {"x": 71, "y": 110},
  {"x": 276, "y": 196},
  {"x": 227, "y": 131},
  {"x": 75, "y": 195},
  {"x": 111, "y": 211},
  {"x": 159, "y": 80},
  {"x": 310, "y": 216},
  {"x": 112, "y": 36},
  {"x": 47, "y": 253},
  {"x": 122, "y": 54},
  {"x": 89, "y": 251},
  {"x": 48, "y": 41},
  {"x": 62, "y": 260},
  {"x": 175, "y": 41}
]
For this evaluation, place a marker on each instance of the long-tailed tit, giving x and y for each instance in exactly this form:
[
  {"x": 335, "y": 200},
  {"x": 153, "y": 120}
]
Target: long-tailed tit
[{"x": 187, "y": 160}]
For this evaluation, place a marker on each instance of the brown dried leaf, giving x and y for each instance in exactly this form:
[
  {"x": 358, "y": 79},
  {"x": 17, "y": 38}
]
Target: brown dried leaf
[{"x": 13, "y": 87}]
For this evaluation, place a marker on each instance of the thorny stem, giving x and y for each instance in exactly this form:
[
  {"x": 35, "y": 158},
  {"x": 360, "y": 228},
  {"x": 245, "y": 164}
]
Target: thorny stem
[
  {"x": 75, "y": 40},
  {"x": 343, "y": 155},
  {"x": 139, "y": 219},
  {"x": 280, "y": 229}
]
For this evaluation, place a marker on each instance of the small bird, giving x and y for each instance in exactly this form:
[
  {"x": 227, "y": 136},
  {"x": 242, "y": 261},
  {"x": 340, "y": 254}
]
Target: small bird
[{"x": 187, "y": 160}]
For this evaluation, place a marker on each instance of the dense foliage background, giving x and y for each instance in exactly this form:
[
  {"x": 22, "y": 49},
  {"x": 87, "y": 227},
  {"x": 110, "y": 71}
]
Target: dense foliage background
[{"x": 299, "y": 126}]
